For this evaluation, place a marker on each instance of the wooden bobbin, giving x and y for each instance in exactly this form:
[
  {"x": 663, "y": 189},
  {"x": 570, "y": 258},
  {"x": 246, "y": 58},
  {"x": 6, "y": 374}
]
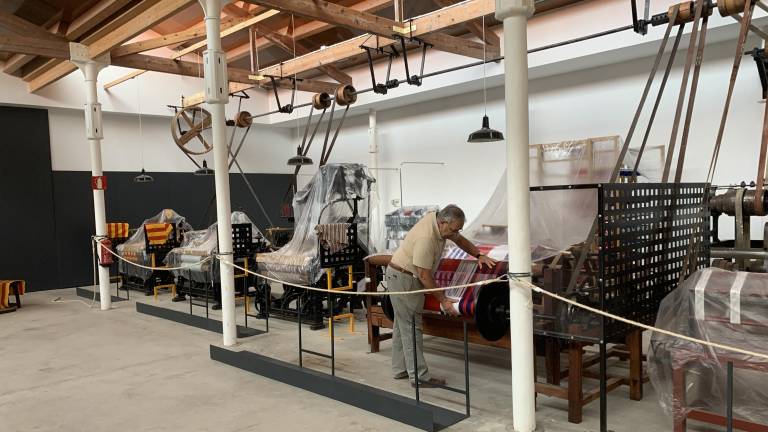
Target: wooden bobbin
[
  {"x": 243, "y": 119},
  {"x": 345, "y": 95},
  {"x": 321, "y": 101},
  {"x": 730, "y": 7}
]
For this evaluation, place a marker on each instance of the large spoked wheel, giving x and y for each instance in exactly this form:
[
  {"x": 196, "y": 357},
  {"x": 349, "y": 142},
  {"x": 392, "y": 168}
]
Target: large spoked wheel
[{"x": 187, "y": 130}]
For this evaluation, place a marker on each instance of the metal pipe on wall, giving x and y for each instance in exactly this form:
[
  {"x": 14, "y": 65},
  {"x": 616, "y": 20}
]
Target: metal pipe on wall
[
  {"x": 217, "y": 95},
  {"x": 514, "y": 14}
]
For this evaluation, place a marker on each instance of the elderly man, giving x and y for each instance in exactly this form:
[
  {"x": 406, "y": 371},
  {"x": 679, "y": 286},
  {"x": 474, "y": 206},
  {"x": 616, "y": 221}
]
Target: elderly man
[{"x": 412, "y": 268}]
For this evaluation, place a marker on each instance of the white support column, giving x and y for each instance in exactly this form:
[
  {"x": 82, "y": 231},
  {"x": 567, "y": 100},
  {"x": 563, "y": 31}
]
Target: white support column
[
  {"x": 217, "y": 96},
  {"x": 94, "y": 134},
  {"x": 514, "y": 14}
]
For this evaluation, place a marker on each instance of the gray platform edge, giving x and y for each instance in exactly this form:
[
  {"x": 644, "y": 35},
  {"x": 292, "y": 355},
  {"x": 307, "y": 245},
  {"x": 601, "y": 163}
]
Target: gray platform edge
[
  {"x": 200, "y": 322},
  {"x": 82, "y": 292},
  {"x": 393, "y": 406}
]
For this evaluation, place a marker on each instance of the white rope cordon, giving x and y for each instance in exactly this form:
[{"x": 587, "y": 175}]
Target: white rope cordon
[
  {"x": 521, "y": 282},
  {"x": 206, "y": 259},
  {"x": 537, "y": 289},
  {"x": 364, "y": 293}
]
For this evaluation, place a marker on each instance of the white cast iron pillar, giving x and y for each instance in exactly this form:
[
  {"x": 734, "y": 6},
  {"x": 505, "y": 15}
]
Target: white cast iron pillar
[
  {"x": 514, "y": 14},
  {"x": 217, "y": 96},
  {"x": 94, "y": 134}
]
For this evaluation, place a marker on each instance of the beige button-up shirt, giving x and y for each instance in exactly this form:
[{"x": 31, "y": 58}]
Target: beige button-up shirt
[{"x": 422, "y": 247}]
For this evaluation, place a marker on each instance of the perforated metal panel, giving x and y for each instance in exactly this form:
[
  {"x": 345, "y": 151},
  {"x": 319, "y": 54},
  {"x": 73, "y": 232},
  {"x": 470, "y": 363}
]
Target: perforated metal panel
[
  {"x": 648, "y": 233},
  {"x": 242, "y": 240},
  {"x": 352, "y": 254}
]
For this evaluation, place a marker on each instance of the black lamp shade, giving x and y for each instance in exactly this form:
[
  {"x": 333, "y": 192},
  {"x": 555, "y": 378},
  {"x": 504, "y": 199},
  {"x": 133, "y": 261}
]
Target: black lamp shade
[
  {"x": 299, "y": 159},
  {"x": 485, "y": 133},
  {"x": 143, "y": 177},
  {"x": 204, "y": 170}
]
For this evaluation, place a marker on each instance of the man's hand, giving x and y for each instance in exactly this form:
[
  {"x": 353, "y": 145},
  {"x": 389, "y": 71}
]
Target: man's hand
[
  {"x": 447, "y": 306},
  {"x": 484, "y": 261}
]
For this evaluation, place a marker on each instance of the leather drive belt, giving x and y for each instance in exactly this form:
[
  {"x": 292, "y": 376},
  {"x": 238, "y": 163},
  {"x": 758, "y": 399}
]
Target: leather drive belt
[{"x": 401, "y": 270}]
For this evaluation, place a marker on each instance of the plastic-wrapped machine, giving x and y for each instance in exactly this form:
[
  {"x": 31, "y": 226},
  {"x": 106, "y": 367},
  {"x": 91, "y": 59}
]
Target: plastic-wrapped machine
[
  {"x": 559, "y": 218},
  {"x": 334, "y": 195},
  {"x": 727, "y": 308},
  {"x": 201, "y": 244},
  {"x": 165, "y": 228}
]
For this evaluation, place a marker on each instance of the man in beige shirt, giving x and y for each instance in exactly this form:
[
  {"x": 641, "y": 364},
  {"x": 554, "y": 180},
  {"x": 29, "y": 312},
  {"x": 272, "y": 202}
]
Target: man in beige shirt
[{"x": 412, "y": 268}]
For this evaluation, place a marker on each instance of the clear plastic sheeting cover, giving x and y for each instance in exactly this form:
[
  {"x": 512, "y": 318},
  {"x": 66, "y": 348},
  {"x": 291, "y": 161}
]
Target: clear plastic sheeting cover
[
  {"x": 134, "y": 249},
  {"x": 400, "y": 221},
  {"x": 201, "y": 244},
  {"x": 328, "y": 198},
  {"x": 718, "y": 306},
  {"x": 559, "y": 218}
]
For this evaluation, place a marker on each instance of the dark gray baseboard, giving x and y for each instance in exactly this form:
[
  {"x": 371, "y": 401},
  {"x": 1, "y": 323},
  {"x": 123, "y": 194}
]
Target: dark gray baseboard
[{"x": 200, "y": 322}]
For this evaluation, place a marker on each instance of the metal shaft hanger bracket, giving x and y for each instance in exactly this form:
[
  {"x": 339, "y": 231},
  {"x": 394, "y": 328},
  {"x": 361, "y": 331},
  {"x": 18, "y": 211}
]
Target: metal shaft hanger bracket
[
  {"x": 761, "y": 61},
  {"x": 285, "y": 109}
]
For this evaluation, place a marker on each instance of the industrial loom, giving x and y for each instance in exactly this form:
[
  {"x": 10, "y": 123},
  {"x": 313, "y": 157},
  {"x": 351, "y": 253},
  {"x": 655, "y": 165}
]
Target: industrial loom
[
  {"x": 148, "y": 246},
  {"x": 200, "y": 276},
  {"x": 328, "y": 245}
]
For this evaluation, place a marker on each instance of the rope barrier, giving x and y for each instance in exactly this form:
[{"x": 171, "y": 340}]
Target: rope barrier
[
  {"x": 537, "y": 289},
  {"x": 512, "y": 276},
  {"x": 204, "y": 260}
]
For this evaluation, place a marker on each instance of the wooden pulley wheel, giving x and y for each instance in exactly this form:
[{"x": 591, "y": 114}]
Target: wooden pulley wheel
[
  {"x": 321, "y": 101},
  {"x": 685, "y": 14},
  {"x": 345, "y": 95},
  {"x": 730, "y": 7},
  {"x": 243, "y": 119},
  {"x": 188, "y": 125}
]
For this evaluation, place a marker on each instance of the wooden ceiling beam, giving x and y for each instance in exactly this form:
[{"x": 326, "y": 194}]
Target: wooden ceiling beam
[
  {"x": 461, "y": 46},
  {"x": 306, "y": 30},
  {"x": 306, "y": 85},
  {"x": 475, "y": 27},
  {"x": 333, "y": 13},
  {"x": 12, "y": 24},
  {"x": 290, "y": 45},
  {"x": 146, "y": 19},
  {"x": 97, "y": 30},
  {"x": 34, "y": 46},
  {"x": 192, "y": 34}
]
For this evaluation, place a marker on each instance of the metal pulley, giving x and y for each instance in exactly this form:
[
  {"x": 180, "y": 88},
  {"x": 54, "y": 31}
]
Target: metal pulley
[
  {"x": 243, "y": 119},
  {"x": 345, "y": 95},
  {"x": 321, "y": 101},
  {"x": 196, "y": 120}
]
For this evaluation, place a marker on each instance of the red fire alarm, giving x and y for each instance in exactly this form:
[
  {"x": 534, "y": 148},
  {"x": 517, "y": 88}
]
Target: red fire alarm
[{"x": 99, "y": 182}]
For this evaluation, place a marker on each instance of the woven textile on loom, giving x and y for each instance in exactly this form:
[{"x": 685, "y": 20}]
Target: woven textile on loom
[
  {"x": 158, "y": 233},
  {"x": 117, "y": 230},
  {"x": 452, "y": 272},
  {"x": 5, "y": 290},
  {"x": 333, "y": 236}
]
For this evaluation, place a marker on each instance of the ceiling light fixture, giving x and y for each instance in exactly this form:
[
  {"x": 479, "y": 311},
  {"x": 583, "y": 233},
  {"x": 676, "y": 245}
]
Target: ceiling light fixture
[{"x": 485, "y": 133}]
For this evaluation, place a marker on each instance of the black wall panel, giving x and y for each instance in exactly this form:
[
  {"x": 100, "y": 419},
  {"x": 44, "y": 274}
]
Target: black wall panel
[
  {"x": 27, "y": 222},
  {"x": 191, "y": 196}
]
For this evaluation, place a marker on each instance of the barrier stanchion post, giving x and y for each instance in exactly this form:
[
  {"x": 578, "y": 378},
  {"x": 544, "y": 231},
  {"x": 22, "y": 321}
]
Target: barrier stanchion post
[
  {"x": 298, "y": 320},
  {"x": 415, "y": 358},
  {"x": 729, "y": 397},
  {"x": 466, "y": 366}
]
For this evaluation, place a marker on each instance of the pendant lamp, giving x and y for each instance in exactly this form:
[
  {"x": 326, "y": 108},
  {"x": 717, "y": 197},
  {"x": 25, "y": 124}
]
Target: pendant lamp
[
  {"x": 485, "y": 133},
  {"x": 300, "y": 159},
  {"x": 143, "y": 177},
  {"x": 204, "y": 170}
]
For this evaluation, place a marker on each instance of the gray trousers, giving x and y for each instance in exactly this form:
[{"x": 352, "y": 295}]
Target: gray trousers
[{"x": 407, "y": 308}]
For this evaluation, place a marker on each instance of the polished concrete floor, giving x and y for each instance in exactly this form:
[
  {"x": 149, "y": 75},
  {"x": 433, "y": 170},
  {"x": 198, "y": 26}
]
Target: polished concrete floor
[{"x": 67, "y": 366}]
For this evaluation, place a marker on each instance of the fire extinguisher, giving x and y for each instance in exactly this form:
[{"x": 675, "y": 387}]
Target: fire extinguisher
[{"x": 105, "y": 256}]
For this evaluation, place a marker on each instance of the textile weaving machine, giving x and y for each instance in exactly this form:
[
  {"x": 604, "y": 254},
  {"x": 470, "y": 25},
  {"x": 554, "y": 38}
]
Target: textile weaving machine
[
  {"x": 328, "y": 244},
  {"x": 692, "y": 380},
  {"x": 201, "y": 277},
  {"x": 148, "y": 246}
]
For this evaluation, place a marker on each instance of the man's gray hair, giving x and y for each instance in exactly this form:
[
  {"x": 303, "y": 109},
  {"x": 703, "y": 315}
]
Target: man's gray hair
[{"x": 450, "y": 213}]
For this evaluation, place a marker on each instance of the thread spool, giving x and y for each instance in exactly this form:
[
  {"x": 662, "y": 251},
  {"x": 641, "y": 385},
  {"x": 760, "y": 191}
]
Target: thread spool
[
  {"x": 243, "y": 119},
  {"x": 321, "y": 101},
  {"x": 345, "y": 95}
]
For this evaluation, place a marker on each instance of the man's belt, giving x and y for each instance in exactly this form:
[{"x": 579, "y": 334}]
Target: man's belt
[{"x": 400, "y": 269}]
